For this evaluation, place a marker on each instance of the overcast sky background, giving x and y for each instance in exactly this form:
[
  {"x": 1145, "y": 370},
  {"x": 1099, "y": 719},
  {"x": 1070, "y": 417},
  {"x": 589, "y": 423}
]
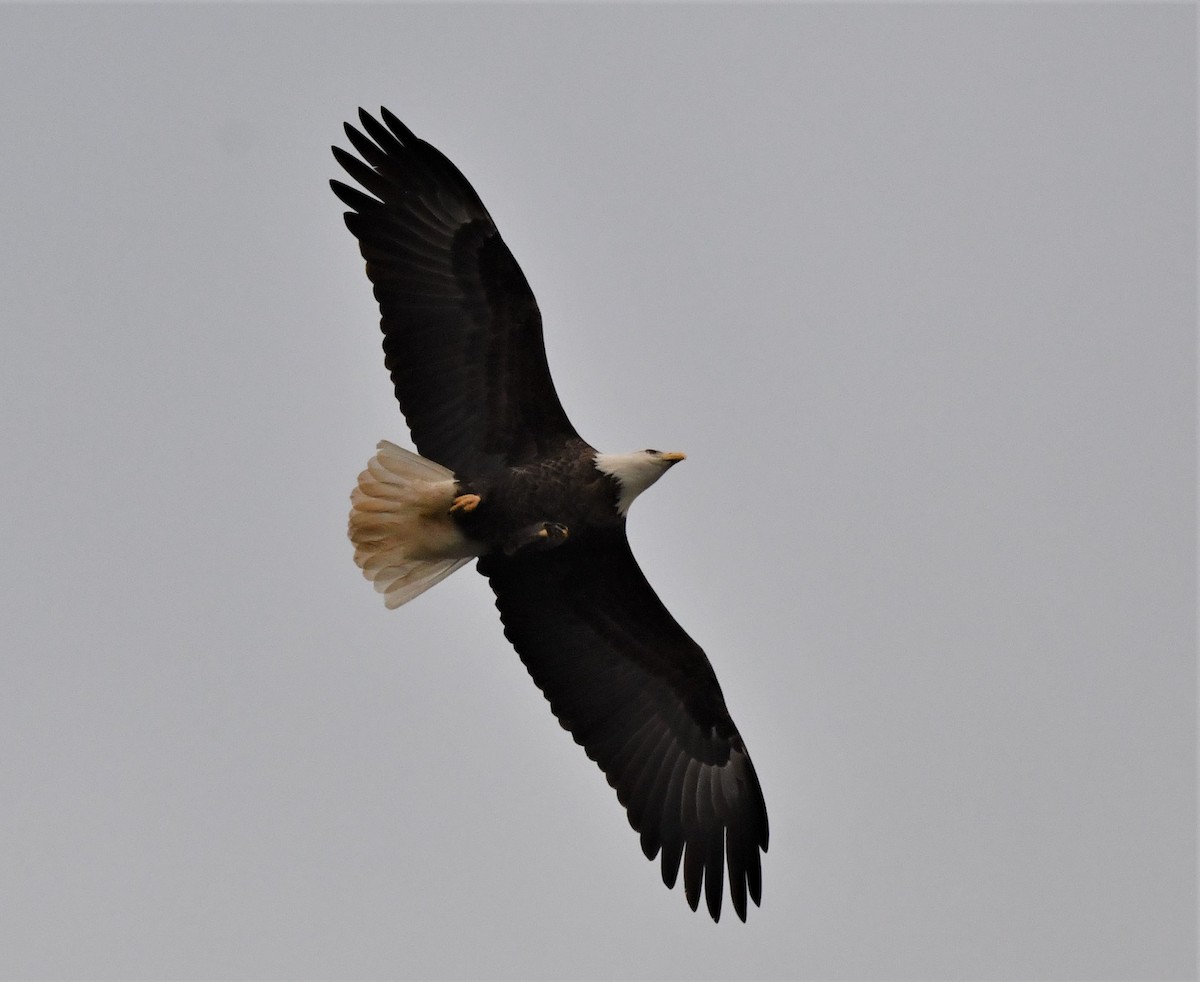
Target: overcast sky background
[{"x": 914, "y": 287}]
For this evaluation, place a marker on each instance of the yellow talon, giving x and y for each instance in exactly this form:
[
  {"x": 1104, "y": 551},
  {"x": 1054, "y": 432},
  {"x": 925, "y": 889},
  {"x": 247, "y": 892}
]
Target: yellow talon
[{"x": 465, "y": 502}]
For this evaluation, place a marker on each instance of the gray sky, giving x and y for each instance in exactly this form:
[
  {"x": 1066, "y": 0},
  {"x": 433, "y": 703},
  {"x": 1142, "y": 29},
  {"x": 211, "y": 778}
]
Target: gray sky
[{"x": 914, "y": 287}]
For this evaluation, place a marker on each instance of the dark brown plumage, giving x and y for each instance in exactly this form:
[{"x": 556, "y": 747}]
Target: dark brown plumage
[
  {"x": 463, "y": 344},
  {"x": 462, "y": 334}
]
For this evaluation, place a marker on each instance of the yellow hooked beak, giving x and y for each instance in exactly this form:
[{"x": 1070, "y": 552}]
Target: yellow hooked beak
[{"x": 674, "y": 456}]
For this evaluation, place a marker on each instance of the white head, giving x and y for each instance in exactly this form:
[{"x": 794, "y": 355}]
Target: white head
[{"x": 635, "y": 471}]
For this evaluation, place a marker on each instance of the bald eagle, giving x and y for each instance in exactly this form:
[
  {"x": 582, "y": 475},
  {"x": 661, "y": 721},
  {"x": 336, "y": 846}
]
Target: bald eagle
[{"x": 503, "y": 478}]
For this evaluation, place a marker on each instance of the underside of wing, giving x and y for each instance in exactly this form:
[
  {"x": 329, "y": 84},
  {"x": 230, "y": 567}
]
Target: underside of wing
[
  {"x": 462, "y": 331},
  {"x": 642, "y": 699}
]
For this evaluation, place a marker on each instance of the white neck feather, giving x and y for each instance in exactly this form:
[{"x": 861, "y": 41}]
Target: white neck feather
[{"x": 634, "y": 473}]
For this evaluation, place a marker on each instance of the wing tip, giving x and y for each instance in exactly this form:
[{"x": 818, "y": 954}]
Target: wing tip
[{"x": 402, "y": 132}]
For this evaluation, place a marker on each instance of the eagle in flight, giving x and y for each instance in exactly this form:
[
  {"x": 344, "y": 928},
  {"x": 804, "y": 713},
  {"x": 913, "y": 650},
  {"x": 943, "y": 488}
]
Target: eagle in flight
[{"x": 502, "y": 477}]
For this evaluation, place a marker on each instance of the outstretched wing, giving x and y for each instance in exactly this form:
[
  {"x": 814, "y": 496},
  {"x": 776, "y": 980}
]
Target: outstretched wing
[
  {"x": 641, "y": 698},
  {"x": 462, "y": 334}
]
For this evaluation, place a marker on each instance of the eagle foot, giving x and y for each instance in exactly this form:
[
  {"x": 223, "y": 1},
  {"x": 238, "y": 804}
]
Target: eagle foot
[
  {"x": 465, "y": 503},
  {"x": 537, "y": 537}
]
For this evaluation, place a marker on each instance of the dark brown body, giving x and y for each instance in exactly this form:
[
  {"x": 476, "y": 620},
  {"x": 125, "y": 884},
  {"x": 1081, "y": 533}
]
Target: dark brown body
[{"x": 565, "y": 490}]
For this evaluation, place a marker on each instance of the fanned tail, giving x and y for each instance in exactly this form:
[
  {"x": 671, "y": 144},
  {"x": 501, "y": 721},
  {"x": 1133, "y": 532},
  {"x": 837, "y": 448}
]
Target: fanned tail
[{"x": 404, "y": 538}]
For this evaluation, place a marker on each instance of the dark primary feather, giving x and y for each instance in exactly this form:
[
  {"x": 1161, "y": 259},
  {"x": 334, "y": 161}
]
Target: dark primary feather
[
  {"x": 462, "y": 331},
  {"x": 641, "y": 698}
]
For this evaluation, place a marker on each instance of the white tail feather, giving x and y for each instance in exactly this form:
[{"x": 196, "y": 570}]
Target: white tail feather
[{"x": 404, "y": 538}]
